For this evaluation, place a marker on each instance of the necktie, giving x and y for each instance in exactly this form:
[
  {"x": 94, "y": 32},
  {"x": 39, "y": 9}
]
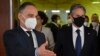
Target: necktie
[
  {"x": 30, "y": 36},
  {"x": 31, "y": 40},
  {"x": 78, "y": 43}
]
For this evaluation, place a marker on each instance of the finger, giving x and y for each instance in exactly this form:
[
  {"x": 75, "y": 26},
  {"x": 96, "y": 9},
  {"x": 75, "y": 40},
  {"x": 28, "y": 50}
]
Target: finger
[
  {"x": 46, "y": 43},
  {"x": 54, "y": 54},
  {"x": 48, "y": 53},
  {"x": 51, "y": 52}
]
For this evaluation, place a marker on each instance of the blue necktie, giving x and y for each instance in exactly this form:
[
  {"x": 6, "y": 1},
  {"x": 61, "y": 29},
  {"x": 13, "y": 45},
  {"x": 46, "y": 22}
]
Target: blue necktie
[{"x": 78, "y": 43}]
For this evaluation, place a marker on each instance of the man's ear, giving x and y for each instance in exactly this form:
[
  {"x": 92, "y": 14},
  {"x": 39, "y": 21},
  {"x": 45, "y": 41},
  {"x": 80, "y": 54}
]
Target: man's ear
[
  {"x": 42, "y": 21},
  {"x": 71, "y": 18},
  {"x": 19, "y": 16}
]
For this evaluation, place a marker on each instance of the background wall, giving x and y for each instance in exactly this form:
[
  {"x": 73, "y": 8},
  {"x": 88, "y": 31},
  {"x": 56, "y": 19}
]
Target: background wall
[
  {"x": 4, "y": 22},
  {"x": 64, "y": 5},
  {"x": 6, "y": 19}
]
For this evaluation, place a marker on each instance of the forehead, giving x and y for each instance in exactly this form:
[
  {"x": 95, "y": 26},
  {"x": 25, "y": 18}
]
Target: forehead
[
  {"x": 95, "y": 16},
  {"x": 78, "y": 11},
  {"x": 30, "y": 10}
]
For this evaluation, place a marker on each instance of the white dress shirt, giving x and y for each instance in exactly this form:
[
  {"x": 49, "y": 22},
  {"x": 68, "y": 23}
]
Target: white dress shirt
[
  {"x": 96, "y": 28},
  {"x": 75, "y": 35},
  {"x": 25, "y": 30},
  {"x": 34, "y": 41},
  {"x": 33, "y": 37}
]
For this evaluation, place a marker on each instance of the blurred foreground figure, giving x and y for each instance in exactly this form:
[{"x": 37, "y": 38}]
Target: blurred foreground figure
[{"x": 24, "y": 40}]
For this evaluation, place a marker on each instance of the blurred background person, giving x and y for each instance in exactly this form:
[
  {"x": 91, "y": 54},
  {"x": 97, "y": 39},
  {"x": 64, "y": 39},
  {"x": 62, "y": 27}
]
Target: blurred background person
[
  {"x": 95, "y": 23},
  {"x": 96, "y": 26},
  {"x": 86, "y": 22},
  {"x": 54, "y": 26},
  {"x": 69, "y": 21},
  {"x": 41, "y": 21}
]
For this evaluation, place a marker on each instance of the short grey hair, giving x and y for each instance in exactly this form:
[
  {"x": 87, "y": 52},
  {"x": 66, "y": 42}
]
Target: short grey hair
[{"x": 75, "y": 6}]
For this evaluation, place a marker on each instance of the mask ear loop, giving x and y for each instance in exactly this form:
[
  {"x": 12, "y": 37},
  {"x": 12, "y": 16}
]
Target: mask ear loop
[
  {"x": 23, "y": 20},
  {"x": 72, "y": 18}
]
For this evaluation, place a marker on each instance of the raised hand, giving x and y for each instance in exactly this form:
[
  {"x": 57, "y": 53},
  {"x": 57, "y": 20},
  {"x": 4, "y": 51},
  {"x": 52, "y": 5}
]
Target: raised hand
[{"x": 44, "y": 52}]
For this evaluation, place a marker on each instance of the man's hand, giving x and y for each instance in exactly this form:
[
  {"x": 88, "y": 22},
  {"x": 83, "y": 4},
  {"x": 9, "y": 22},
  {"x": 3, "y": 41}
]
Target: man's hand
[{"x": 44, "y": 52}]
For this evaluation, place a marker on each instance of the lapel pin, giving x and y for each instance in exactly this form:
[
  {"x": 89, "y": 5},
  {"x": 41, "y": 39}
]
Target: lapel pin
[{"x": 88, "y": 33}]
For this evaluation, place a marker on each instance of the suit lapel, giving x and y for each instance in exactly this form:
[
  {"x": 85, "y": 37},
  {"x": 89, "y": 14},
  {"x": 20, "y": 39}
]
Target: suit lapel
[
  {"x": 72, "y": 39},
  {"x": 23, "y": 37},
  {"x": 99, "y": 32},
  {"x": 86, "y": 36},
  {"x": 70, "y": 34},
  {"x": 40, "y": 37},
  {"x": 24, "y": 40}
]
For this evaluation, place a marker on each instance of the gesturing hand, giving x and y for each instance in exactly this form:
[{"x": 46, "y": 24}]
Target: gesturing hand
[{"x": 44, "y": 52}]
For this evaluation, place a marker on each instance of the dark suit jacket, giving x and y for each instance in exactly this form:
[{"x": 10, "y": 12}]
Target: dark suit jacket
[
  {"x": 17, "y": 42},
  {"x": 66, "y": 25},
  {"x": 98, "y": 30},
  {"x": 98, "y": 38},
  {"x": 64, "y": 45},
  {"x": 54, "y": 30}
]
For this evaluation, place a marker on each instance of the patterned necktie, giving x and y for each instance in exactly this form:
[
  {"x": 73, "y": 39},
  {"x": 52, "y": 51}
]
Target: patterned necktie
[{"x": 78, "y": 43}]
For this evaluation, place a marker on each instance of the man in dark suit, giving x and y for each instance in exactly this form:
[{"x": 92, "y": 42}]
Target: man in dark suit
[
  {"x": 54, "y": 26},
  {"x": 23, "y": 40},
  {"x": 95, "y": 23},
  {"x": 96, "y": 26},
  {"x": 69, "y": 21},
  {"x": 76, "y": 40}
]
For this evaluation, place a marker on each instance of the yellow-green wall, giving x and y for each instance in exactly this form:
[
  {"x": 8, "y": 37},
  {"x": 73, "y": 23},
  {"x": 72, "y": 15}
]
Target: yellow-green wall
[{"x": 91, "y": 8}]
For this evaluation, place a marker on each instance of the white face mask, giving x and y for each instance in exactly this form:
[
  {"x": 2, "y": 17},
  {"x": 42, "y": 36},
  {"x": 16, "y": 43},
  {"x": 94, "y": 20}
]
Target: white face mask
[
  {"x": 31, "y": 23},
  {"x": 85, "y": 23},
  {"x": 94, "y": 24}
]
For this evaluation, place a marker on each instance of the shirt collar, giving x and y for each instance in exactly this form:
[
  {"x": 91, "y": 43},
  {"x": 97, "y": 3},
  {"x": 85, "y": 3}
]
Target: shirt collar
[
  {"x": 24, "y": 29},
  {"x": 75, "y": 28},
  {"x": 55, "y": 24}
]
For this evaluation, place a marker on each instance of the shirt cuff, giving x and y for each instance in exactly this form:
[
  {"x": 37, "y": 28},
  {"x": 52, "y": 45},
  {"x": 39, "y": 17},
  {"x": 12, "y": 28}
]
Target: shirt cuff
[{"x": 36, "y": 52}]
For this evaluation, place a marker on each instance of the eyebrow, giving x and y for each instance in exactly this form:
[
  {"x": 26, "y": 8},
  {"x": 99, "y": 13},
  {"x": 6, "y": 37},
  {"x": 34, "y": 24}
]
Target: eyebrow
[
  {"x": 79, "y": 15},
  {"x": 30, "y": 15}
]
